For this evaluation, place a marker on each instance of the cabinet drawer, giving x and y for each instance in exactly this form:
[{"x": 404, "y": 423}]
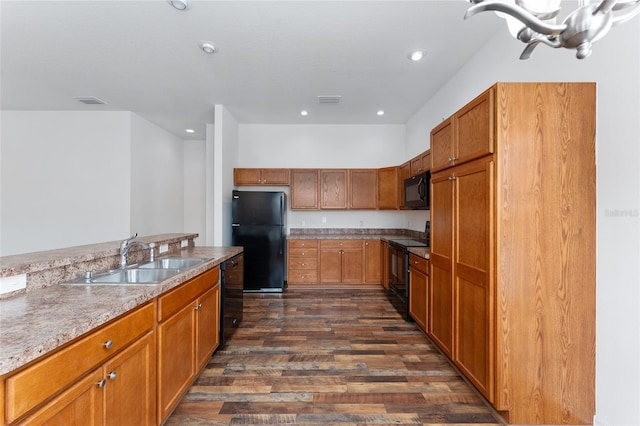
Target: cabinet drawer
[
  {"x": 328, "y": 244},
  {"x": 303, "y": 276},
  {"x": 302, "y": 263},
  {"x": 33, "y": 385},
  {"x": 419, "y": 263},
  {"x": 303, "y": 252},
  {"x": 177, "y": 298},
  {"x": 303, "y": 244}
]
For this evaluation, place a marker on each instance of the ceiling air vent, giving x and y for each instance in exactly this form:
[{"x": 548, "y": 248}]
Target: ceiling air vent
[
  {"x": 90, "y": 101},
  {"x": 329, "y": 99}
]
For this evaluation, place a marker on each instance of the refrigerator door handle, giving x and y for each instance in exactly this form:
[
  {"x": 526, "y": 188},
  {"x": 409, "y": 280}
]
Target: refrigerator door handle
[{"x": 235, "y": 225}]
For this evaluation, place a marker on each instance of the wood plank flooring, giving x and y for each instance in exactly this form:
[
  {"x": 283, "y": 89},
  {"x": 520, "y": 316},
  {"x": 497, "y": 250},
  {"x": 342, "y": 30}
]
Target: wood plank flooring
[{"x": 320, "y": 357}]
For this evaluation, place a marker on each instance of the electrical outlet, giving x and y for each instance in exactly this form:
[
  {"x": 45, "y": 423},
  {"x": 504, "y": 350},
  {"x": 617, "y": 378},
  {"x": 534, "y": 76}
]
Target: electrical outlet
[
  {"x": 362, "y": 224},
  {"x": 184, "y": 243},
  {"x": 164, "y": 248},
  {"x": 324, "y": 219},
  {"x": 16, "y": 282},
  {"x": 303, "y": 223}
]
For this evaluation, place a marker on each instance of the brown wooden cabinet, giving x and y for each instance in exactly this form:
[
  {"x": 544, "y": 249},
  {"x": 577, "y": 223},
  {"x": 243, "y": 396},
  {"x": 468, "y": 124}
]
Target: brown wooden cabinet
[
  {"x": 372, "y": 261},
  {"x": 420, "y": 163},
  {"x": 304, "y": 189},
  {"x": 513, "y": 237},
  {"x": 467, "y": 135},
  {"x": 273, "y": 177},
  {"x": 363, "y": 189},
  {"x": 188, "y": 332},
  {"x": 405, "y": 173},
  {"x": 418, "y": 288},
  {"x": 302, "y": 263},
  {"x": 333, "y": 188},
  {"x": 389, "y": 188},
  {"x": 385, "y": 264},
  {"x": 92, "y": 380},
  {"x": 341, "y": 261}
]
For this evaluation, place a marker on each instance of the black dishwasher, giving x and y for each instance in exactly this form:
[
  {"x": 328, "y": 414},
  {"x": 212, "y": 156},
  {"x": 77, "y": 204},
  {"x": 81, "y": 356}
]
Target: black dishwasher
[{"x": 231, "y": 300}]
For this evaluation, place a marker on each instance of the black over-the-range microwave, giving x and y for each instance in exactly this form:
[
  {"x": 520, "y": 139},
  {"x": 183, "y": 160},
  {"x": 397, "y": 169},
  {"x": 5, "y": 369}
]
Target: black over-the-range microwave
[{"x": 416, "y": 191}]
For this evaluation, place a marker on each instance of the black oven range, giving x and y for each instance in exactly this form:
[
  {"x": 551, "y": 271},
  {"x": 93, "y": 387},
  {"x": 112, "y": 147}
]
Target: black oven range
[{"x": 399, "y": 274}]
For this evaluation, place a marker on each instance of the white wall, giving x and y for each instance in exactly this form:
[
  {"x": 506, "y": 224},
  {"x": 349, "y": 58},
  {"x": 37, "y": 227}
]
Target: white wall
[
  {"x": 65, "y": 179},
  {"x": 615, "y": 66},
  {"x": 157, "y": 179},
  {"x": 328, "y": 146},
  {"x": 230, "y": 158},
  {"x": 194, "y": 189}
]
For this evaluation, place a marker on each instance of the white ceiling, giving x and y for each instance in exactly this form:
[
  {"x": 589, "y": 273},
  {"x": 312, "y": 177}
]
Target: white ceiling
[{"x": 274, "y": 58}]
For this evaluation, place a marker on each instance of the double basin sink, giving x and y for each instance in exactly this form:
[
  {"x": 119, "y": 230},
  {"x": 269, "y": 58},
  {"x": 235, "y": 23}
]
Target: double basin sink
[{"x": 149, "y": 273}]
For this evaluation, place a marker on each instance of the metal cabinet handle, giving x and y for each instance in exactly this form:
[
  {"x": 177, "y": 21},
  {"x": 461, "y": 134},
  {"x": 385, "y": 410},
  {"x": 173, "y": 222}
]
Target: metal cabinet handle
[
  {"x": 453, "y": 158},
  {"x": 112, "y": 375},
  {"x": 198, "y": 306},
  {"x": 102, "y": 383},
  {"x": 452, "y": 178},
  {"x": 108, "y": 344}
]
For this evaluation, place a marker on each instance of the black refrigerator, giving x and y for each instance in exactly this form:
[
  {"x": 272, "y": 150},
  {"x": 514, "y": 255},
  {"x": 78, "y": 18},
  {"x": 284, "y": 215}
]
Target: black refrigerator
[{"x": 259, "y": 225}]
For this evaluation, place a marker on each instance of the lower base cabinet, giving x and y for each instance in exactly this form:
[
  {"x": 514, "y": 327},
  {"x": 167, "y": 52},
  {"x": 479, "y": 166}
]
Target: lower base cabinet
[
  {"x": 418, "y": 290},
  {"x": 188, "y": 333},
  {"x": 119, "y": 388}
]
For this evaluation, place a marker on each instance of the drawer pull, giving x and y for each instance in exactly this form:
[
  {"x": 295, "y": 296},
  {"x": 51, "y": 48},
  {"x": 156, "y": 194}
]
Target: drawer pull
[
  {"x": 198, "y": 306},
  {"x": 108, "y": 344},
  {"x": 112, "y": 375},
  {"x": 102, "y": 383}
]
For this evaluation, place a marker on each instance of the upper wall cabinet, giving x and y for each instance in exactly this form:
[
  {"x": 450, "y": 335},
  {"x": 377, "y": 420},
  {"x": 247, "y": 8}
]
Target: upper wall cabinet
[
  {"x": 467, "y": 135},
  {"x": 304, "y": 189},
  {"x": 271, "y": 177},
  {"x": 420, "y": 163},
  {"x": 363, "y": 189},
  {"x": 333, "y": 189},
  {"x": 389, "y": 186}
]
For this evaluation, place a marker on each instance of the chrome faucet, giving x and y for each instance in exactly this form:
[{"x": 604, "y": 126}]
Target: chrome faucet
[{"x": 127, "y": 244}]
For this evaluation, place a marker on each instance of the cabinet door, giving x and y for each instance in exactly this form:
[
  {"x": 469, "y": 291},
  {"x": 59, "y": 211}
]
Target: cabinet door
[
  {"x": 442, "y": 145},
  {"x": 473, "y": 311},
  {"x": 405, "y": 173},
  {"x": 418, "y": 297},
  {"x": 352, "y": 265},
  {"x": 208, "y": 326},
  {"x": 247, "y": 177},
  {"x": 333, "y": 189},
  {"x": 440, "y": 305},
  {"x": 130, "y": 390},
  {"x": 81, "y": 404},
  {"x": 275, "y": 176},
  {"x": 330, "y": 265},
  {"x": 373, "y": 261},
  {"x": 176, "y": 358},
  {"x": 385, "y": 264},
  {"x": 304, "y": 189},
  {"x": 388, "y": 188},
  {"x": 474, "y": 128},
  {"x": 363, "y": 189}
]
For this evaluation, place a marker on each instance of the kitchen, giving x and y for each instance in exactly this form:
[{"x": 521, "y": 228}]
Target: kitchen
[{"x": 125, "y": 171}]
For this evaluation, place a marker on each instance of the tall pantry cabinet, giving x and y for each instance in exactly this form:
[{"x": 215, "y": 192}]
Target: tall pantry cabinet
[{"x": 512, "y": 295}]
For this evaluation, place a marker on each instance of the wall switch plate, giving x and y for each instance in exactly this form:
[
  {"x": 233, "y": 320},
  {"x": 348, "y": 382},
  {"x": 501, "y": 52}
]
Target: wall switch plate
[
  {"x": 164, "y": 248},
  {"x": 184, "y": 243},
  {"x": 16, "y": 282}
]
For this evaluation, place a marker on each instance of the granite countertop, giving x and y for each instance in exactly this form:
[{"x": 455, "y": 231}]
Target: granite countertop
[{"x": 37, "y": 322}]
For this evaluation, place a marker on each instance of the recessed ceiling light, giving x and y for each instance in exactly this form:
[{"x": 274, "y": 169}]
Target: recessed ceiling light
[
  {"x": 180, "y": 4},
  {"x": 417, "y": 55},
  {"x": 207, "y": 47},
  {"x": 190, "y": 131},
  {"x": 380, "y": 112},
  {"x": 304, "y": 112}
]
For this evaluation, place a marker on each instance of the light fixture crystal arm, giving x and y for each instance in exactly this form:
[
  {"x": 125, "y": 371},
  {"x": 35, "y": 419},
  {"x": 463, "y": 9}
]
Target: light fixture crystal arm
[
  {"x": 520, "y": 13},
  {"x": 580, "y": 29}
]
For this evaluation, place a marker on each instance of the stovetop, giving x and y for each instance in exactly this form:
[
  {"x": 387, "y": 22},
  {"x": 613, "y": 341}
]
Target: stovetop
[{"x": 405, "y": 242}]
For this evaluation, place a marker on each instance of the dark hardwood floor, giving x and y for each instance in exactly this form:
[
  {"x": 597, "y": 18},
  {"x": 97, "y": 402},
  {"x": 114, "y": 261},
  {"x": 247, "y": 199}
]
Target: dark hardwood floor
[{"x": 325, "y": 357}]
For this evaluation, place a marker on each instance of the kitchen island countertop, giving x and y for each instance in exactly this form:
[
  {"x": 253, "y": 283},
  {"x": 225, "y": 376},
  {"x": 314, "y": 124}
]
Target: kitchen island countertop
[{"x": 40, "y": 321}]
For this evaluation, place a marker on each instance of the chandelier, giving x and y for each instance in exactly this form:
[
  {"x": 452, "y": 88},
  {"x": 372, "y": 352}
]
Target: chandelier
[{"x": 534, "y": 21}]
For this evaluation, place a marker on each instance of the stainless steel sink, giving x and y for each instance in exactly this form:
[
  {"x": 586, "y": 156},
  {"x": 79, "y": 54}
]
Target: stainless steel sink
[
  {"x": 173, "y": 263},
  {"x": 127, "y": 277}
]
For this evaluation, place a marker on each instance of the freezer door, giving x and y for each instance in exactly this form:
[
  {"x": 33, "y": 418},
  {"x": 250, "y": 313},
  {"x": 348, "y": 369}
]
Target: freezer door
[
  {"x": 264, "y": 256},
  {"x": 258, "y": 208}
]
